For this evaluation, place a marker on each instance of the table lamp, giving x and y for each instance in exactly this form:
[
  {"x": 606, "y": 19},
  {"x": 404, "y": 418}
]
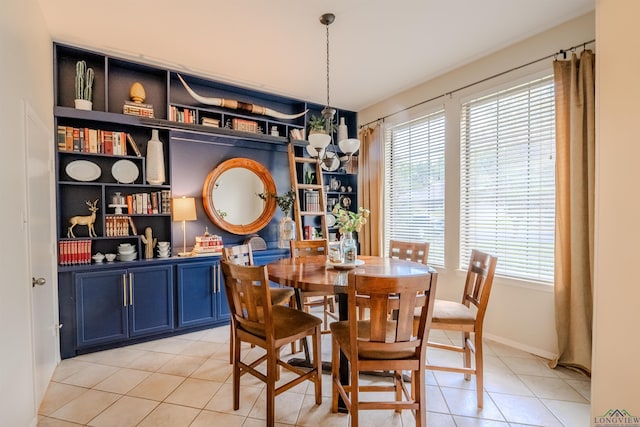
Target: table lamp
[{"x": 184, "y": 209}]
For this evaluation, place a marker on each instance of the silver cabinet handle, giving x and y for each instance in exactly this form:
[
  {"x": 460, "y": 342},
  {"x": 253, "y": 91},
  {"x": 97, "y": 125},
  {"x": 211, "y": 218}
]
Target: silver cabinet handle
[
  {"x": 214, "y": 277},
  {"x": 124, "y": 290},
  {"x": 131, "y": 289},
  {"x": 38, "y": 282}
]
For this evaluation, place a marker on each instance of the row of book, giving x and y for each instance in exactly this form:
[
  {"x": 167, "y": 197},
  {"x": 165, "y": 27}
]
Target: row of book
[
  {"x": 182, "y": 115},
  {"x": 74, "y": 252},
  {"x": 119, "y": 225},
  {"x": 312, "y": 201},
  {"x": 156, "y": 202},
  {"x": 138, "y": 109},
  {"x": 86, "y": 140}
]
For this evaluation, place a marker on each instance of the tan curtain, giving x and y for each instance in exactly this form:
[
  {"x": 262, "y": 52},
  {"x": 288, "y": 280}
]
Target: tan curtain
[
  {"x": 370, "y": 188},
  {"x": 575, "y": 149}
]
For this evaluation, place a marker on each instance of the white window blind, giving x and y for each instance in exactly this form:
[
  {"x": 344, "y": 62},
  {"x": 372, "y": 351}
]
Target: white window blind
[
  {"x": 507, "y": 179},
  {"x": 414, "y": 183}
]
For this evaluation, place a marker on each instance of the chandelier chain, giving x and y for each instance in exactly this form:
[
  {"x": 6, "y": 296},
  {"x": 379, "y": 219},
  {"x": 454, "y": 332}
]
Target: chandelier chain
[{"x": 328, "y": 103}]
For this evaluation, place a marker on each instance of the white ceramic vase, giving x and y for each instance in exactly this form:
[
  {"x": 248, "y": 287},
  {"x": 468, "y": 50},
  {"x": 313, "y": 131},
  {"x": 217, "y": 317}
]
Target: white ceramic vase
[
  {"x": 155, "y": 160},
  {"x": 343, "y": 131},
  {"x": 83, "y": 104}
]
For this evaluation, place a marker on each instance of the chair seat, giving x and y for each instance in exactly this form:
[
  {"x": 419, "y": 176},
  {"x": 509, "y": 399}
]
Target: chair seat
[
  {"x": 452, "y": 312},
  {"x": 280, "y": 296},
  {"x": 286, "y": 322},
  {"x": 340, "y": 332}
]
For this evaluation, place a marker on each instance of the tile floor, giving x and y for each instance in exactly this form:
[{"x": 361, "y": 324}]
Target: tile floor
[{"x": 186, "y": 381}]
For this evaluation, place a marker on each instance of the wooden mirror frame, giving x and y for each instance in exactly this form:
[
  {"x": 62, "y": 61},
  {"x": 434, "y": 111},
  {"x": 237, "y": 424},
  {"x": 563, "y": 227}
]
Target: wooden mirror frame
[{"x": 269, "y": 187}]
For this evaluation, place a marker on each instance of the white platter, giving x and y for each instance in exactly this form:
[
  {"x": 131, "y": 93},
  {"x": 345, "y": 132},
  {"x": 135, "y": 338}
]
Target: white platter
[
  {"x": 331, "y": 220},
  {"x": 335, "y": 162},
  {"x": 83, "y": 170},
  {"x": 343, "y": 266},
  {"x": 125, "y": 171}
]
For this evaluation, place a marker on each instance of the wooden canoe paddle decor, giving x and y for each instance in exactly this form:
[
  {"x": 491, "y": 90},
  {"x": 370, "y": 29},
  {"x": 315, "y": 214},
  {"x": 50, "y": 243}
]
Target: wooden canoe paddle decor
[{"x": 238, "y": 105}]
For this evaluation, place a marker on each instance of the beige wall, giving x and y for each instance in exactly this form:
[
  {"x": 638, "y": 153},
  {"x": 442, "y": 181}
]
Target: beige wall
[
  {"x": 515, "y": 306},
  {"x": 25, "y": 77},
  {"x": 616, "y": 371}
]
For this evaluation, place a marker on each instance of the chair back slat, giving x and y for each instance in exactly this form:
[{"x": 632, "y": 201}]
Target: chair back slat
[
  {"x": 248, "y": 295},
  {"x": 302, "y": 248},
  {"x": 239, "y": 254},
  {"x": 398, "y": 296},
  {"x": 479, "y": 281},
  {"x": 411, "y": 251}
]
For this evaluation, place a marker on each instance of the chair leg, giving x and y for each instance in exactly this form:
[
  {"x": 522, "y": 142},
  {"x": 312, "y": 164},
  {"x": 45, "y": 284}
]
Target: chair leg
[
  {"x": 397, "y": 377},
  {"x": 353, "y": 396},
  {"x": 271, "y": 388},
  {"x": 325, "y": 304},
  {"x": 317, "y": 363},
  {"x": 231, "y": 346},
  {"x": 479, "y": 369},
  {"x": 419, "y": 396},
  {"x": 236, "y": 372},
  {"x": 335, "y": 374},
  {"x": 467, "y": 353}
]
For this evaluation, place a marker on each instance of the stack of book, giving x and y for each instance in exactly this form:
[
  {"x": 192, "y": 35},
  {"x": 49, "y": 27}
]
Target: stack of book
[
  {"x": 117, "y": 225},
  {"x": 208, "y": 244},
  {"x": 182, "y": 115},
  {"x": 138, "y": 109},
  {"x": 74, "y": 252},
  {"x": 210, "y": 121},
  {"x": 297, "y": 134},
  {"x": 312, "y": 201},
  {"x": 156, "y": 202},
  {"x": 244, "y": 125}
]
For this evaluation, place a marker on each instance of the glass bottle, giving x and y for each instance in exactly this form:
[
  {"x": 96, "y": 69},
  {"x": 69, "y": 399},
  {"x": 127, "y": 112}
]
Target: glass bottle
[
  {"x": 349, "y": 249},
  {"x": 287, "y": 232}
]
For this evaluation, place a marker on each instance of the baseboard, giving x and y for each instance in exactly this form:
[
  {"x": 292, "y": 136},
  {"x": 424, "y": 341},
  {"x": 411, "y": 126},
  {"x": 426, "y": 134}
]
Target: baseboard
[{"x": 529, "y": 349}]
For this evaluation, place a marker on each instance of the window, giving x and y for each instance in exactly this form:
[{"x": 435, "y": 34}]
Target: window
[
  {"x": 414, "y": 183},
  {"x": 507, "y": 178}
]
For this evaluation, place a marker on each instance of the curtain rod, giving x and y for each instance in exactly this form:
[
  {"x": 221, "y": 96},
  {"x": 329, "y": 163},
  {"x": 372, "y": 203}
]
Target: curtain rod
[{"x": 562, "y": 52}]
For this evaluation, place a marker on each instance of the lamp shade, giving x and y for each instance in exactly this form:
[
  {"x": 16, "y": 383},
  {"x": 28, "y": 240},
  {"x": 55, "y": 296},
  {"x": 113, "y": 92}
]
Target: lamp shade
[
  {"x": 349, "y": 146},
  {"x": 319, "y": 140},
  {"x": 184, "y": 209}
]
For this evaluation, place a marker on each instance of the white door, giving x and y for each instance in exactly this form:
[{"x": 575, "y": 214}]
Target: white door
[{"x": 42, "y": 249}]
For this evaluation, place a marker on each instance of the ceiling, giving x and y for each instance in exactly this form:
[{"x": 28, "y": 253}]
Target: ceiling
[{"x": 377, "y": 47}]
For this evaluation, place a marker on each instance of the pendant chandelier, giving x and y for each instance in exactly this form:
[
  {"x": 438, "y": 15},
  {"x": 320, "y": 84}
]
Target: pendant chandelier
[{"x": 323, "y": 144}]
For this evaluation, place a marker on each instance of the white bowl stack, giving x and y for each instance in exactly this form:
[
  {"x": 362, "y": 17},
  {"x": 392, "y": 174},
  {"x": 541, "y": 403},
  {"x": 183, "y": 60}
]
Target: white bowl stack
[
  {"x": 127, "y": 252},
  {"x": 164, "y": 250}
]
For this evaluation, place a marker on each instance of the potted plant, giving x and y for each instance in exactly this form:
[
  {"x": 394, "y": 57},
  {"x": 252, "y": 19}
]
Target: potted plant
[
  {"x": 318, "y": 124},
  {"x": 84, "y": 86}
]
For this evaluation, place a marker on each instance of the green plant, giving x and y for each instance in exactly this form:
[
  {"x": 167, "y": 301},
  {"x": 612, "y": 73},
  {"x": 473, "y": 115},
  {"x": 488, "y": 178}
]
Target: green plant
[
  {"x": 84, "y": 81},
  {"x": 284, "y": 202},
  {"x": 319, "y": 124},
  {"x": 348, "y": 221}
]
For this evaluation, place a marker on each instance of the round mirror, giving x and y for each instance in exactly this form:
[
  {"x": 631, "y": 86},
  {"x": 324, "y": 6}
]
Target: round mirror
[{"x": 230, "y": 196}]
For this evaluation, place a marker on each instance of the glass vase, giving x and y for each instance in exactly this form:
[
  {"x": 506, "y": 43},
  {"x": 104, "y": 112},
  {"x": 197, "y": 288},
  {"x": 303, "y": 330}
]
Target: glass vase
[
  {"x": 348, "y": 248},
  {"x": 286, "y": 231}
]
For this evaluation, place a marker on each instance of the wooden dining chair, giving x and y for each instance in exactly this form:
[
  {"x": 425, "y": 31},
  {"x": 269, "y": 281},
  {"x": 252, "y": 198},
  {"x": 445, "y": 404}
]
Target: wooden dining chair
[
  {"x": 257, "y": 321},
  {"x": 412, "y": 251},
  {"x": 467, "y": 317},
  {"x": 383, "y": 343},
  {"x": 302, "y": 248},
  {"x": 243, "y": 255}
]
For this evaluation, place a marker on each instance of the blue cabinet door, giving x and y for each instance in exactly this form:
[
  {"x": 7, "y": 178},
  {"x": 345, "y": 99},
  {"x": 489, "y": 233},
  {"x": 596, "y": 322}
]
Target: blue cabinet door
[
  {"x": 101, "y": 313},
  {"x": 150, "y": 300},
  {"x": 197, "y": 293}
]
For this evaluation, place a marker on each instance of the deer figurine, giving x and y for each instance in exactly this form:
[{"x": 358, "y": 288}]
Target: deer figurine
[{"x": 87, "y": 220}]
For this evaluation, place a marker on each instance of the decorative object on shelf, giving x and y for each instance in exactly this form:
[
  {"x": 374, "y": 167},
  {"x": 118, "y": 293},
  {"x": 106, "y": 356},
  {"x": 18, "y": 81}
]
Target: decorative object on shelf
[
  {"x": 84, "y": 86},
  {"x": 110, "y": 257},
  {"x": 127, "y": 252},
  {"x": 83, "y": 170},
  {"x": 328, "y": 114},
  {"x": 163, "y": 249},
  {"x": 287, "y": 226},
  {"x": 149, "y": 242},
  {"x": 184, "y": 209},
  {"x": 274, "y": 131},
  {"x": 87, "y": 220},
  {"x": 343, "y": 131},
  {"x": 334, "y": 183},
  {"x": 238, "y": 105},
  {"x": 155, "y": 160},
  {"x": 207, "y": 244},
  {"x": 98, "y": 257},
  {"x": 137, "y": 93},
  {"x": 118, "y": 202},
  {"x": 125, "y": 171}
]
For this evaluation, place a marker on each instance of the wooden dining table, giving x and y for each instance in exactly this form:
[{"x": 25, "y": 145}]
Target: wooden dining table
[{"x": 314, "y": 273}]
